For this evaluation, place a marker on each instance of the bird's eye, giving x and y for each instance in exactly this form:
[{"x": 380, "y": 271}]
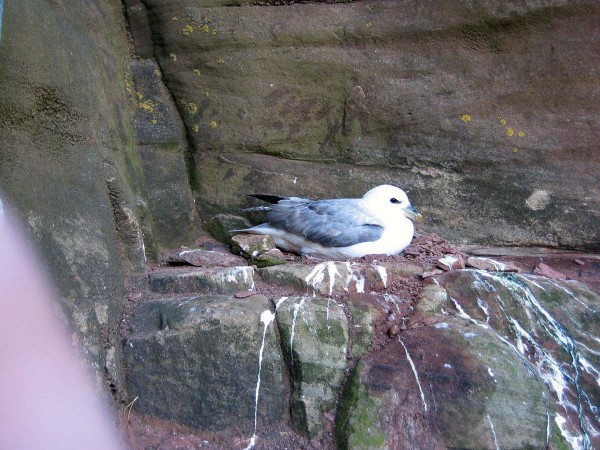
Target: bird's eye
[{"x": 394, "y": 200}]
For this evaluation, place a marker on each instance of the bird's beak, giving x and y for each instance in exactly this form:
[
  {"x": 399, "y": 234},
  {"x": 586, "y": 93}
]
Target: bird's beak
[{"x": 413, "y": 214}]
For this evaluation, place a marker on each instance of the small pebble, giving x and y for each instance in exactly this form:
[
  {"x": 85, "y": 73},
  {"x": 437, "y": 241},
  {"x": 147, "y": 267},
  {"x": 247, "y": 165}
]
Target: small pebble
[
  {"x": 244, "y": 294},
  {"x": 451, "y": 262},
  {"x": 547, "y": 271},
  {"x": 431, "y": 273},
  {"x": 579, "y": 262},
  {"x": 394, "y": 330}
]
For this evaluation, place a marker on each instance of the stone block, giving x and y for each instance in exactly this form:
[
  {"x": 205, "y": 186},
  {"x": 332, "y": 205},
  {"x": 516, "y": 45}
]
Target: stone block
[
  {"x": 196, "y": 361},
  {"x": 215, "y": 280},
  {"x": 491, "y": 264},
  {"x": 330, "y": 277},
  {"x": 201, "y": 257},
  {"x": 314, "y": 338}
]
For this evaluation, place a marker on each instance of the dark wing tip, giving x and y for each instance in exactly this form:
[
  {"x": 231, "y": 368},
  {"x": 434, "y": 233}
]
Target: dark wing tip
[{"x": 273, "y": 199}]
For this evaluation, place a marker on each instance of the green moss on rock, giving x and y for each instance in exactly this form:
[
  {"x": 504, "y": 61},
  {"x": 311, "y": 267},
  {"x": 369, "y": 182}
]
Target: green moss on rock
[
  {"x": 357, "y": 423},
  {"x": 314, "y": 346}
]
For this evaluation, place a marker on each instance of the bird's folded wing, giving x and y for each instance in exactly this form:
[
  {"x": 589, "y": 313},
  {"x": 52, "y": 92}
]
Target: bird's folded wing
[{"x": 331, "y": 223}]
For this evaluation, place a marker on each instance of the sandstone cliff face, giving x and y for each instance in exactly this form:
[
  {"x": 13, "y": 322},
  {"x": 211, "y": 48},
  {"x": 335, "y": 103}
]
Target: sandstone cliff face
[
  {"x": 77, "y": 165},
  {"x": 122, "y": 124},
  {"x": 485, "y": 112},
  {"x": 66, "y": 155}
]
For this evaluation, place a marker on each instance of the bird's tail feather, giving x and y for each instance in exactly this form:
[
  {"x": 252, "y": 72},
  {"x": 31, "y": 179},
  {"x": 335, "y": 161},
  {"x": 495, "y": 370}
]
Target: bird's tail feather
[
  {"x": 258, "y": 229},
  {"x": 254, "y": 209},
  {"x": 272, "y": 199}
]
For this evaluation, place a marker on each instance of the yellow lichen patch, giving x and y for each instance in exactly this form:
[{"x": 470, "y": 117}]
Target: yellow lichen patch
[
  {"x": 187, "y": 30},
  {"x": 206, "y": 93},
  {"x": 213, "y": 124},
  {"x": 221, "y": 61},
  {"x": 196, "y": 128},
  {"x": 466, "y": 118},
  {"x": 174, "y": 18},
  {"x": 205, "y": 28},
  {"x": 148, "y": 105},
  {"x": 515, "y": 149},
  {"x": 157, "y": 72},
  {"x": 214, "y": 32},
  {"x": 369, "y": 24},
  {"x": 173, "y": 56},
  {"x": 139, "y": 95},
  {"x": 154, "y": 121},
  {"x": 197, "y": 72},
  {"x": 192, "y": 108},
  {"x": 510, "y": 132}
]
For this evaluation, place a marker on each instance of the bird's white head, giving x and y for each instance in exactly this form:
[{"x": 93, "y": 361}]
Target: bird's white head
[{"x": 390, "y": 203}]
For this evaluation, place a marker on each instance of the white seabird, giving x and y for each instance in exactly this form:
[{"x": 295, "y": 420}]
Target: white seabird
[{"x": 378, "y": 223}]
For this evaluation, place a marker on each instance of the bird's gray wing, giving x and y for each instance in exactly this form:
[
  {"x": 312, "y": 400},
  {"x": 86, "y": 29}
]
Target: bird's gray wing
[{"x": 332, "y": 223}]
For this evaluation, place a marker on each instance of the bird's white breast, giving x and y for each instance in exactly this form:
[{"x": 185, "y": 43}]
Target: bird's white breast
[{"x": 393, "y": 240}]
